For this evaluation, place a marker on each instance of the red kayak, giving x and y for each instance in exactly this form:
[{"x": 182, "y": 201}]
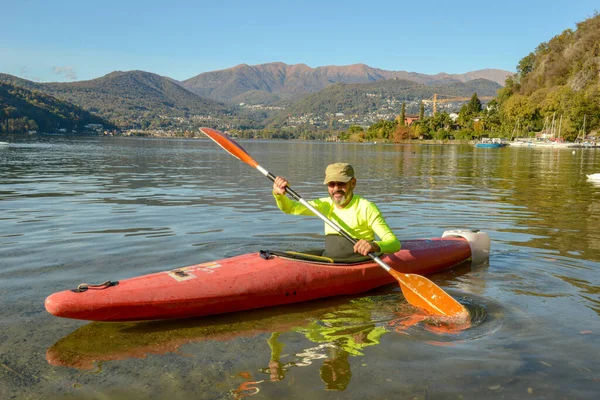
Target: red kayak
[{"x": 248, "y": 281}]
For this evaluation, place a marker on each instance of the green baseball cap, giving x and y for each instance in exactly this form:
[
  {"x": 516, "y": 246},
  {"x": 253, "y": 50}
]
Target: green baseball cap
[{"x": 338, "y": 172}]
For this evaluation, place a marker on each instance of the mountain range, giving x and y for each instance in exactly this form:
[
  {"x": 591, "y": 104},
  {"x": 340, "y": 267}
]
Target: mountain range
[
  {"x": 268, "y": 83},
  {"x": 124, "y": 97},
  {"x": 255, "y": 96}
]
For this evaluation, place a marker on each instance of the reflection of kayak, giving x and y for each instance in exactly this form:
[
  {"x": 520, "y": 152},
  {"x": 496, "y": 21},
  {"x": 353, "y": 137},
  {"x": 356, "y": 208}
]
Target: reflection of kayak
[
  {"x": 249, "y": 281},
  {"x": 350, "y": 323},
  {"x": 97, "y": 342}
]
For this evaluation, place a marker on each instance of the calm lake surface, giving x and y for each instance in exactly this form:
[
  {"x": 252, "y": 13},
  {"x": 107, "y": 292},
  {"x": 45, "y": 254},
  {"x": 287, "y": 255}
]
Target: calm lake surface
[{"x": 76, "y": 210}]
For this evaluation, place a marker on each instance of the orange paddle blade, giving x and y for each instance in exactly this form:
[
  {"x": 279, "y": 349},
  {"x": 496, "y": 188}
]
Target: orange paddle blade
[
  {"x": 421, "y": 292},
  {"x": 229, "y": 145}
]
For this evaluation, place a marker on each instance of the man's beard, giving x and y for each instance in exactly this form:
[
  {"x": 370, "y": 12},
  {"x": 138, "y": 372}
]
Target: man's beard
[{"x": 342, "y": 200}]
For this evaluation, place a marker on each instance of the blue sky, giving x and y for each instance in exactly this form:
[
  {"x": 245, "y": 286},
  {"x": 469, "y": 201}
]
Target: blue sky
[{"x": 64, "y": 40}]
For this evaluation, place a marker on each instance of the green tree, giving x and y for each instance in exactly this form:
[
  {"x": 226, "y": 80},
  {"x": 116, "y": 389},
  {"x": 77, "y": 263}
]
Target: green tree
[
  {"x": 381, "y": 130},
  {"x": 525, "y": 66},
  {"x": 402, "y": 114},
  {"x": 492, "y": 118},
  {"x": 441, "y": 121},
  {"x": 469, "y": 111},
  {"x": 353, "y": 133},
  {"x": 518, "y": 108},
  {"x": 474, "y": 105}
]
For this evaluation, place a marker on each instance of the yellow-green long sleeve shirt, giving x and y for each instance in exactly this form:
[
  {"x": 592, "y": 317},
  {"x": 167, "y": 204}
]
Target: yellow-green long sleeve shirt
[{"x": 360, "y": 218}]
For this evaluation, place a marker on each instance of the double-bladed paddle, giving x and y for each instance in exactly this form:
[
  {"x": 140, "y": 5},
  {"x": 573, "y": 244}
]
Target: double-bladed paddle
[{"x": 418, "y": 290}]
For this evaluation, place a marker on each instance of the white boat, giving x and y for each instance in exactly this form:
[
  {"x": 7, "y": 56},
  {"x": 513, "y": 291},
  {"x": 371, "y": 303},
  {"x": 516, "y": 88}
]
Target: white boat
[
  {"x": 521, "y": 143},
  {"x": 3, "y": 143},
  {"x": 553, "y": 144},
  {"x": 556, "y": 144}
]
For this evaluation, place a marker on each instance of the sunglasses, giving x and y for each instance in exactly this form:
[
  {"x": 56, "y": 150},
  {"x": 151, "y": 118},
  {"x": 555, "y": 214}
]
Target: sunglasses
[{"x": 338, "y": 184}]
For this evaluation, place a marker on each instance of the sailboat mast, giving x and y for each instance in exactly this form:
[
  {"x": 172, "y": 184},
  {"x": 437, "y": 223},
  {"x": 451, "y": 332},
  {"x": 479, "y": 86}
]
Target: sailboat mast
[{"x": 559, "y": 126}]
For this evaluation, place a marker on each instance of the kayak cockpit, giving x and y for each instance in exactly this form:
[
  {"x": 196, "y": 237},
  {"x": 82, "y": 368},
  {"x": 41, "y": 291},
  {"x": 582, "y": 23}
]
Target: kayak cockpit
[{"x": 315, "y": 256}]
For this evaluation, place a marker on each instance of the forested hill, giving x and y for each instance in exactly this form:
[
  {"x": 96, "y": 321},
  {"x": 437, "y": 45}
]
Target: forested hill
[
  {"x": 570, "y": 59},
  {"x": 23, "y": 110},
  {"x": 559, "y": 80},
  {"x": 128, "y": 97}
]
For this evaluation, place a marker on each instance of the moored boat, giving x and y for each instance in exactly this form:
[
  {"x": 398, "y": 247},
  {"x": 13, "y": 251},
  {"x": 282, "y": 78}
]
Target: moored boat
[
  {"x": 250, "y": 281},
  {"x": 494, "y": 143},
  {"x": 521, "y": 143}
]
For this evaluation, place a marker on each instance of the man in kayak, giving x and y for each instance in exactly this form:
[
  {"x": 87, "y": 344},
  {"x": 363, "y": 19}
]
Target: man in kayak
[{"x": 356, "y": 215}]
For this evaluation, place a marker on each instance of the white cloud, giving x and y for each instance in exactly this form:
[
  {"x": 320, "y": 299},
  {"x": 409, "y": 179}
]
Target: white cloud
[
  {"x": 25, "y": 74},
  {"x": 67, "y": 72}
]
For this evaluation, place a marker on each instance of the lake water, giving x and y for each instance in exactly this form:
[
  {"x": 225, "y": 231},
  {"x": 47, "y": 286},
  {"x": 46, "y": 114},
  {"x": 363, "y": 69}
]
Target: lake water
[{"x": 76, "y": 210}]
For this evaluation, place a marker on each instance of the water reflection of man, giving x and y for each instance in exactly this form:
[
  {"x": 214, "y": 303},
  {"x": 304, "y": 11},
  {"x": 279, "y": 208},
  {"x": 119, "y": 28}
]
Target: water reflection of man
[
  {"x": 276, "y": 370},
  {"x": 335, "y": 371},
  {"x": 340, "y": 334}
]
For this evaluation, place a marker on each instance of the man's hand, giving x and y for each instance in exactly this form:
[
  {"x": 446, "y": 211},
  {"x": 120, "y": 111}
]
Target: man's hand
[
  {"x": 279, "y": 185},
  {"x": 363, "y": 247}
]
